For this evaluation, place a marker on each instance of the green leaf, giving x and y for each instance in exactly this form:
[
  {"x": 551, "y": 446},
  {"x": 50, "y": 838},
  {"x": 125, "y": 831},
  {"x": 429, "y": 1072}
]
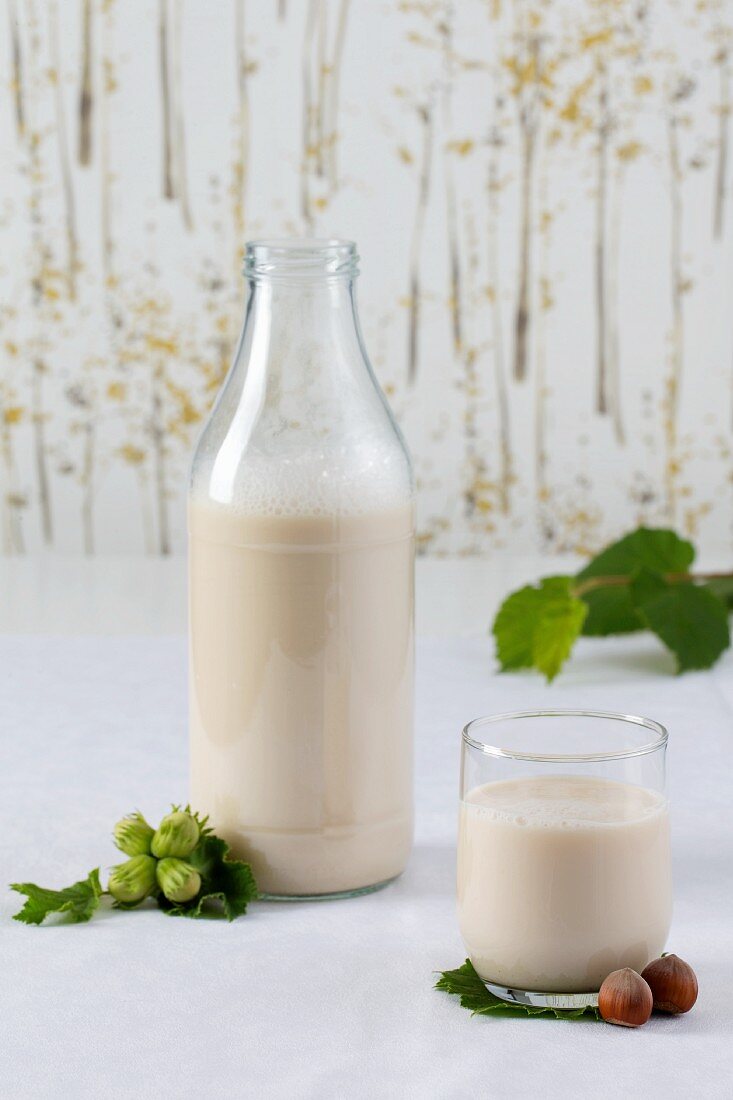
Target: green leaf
[
  {"x": 536, "y": 627},
  {"x": 722, "y": 587},
  {"x": 655, "y": 547},
  {"x": 514, "y": 636},
  {"x": 646, "y": 586},
  {"x": 79, "y": 901},
  {"x": 556, "y": 632},
  {"x": 691, "y": 621},
  {"x": 466, "y": 984},
  {"x": 223, "y": 880},
  {"x": 611, "y": 610}
]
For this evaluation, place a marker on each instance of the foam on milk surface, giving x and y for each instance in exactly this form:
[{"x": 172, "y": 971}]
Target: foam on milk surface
[
  {"x": 566, "y": 802},
  {"x": 310, "y": 484}
]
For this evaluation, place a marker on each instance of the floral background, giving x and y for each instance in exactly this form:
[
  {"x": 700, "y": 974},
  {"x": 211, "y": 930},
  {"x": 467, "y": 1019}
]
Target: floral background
[{"x": 541, "y": 193}]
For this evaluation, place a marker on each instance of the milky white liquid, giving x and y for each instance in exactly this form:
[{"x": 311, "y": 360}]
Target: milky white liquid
[
  {"x": 562, "y": 879},
  {"x": 301, "y": 692}
]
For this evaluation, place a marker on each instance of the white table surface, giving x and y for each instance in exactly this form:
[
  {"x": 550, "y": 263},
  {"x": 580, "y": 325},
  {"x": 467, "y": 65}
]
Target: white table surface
[{"x": 319, "y": 1000}]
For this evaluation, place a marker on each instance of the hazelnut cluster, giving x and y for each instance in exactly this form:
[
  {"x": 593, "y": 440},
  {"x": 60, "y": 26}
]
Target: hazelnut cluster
[
  {"x": 667, "y": 985},
  {"x": 158, "y": 859}
]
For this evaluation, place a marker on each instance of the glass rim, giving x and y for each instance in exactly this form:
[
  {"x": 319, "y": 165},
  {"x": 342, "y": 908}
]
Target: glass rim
[
  {"x": 300, "y": 257},
  {"x": 659, "y": 741},
  {"x": 305, "y": 244}
]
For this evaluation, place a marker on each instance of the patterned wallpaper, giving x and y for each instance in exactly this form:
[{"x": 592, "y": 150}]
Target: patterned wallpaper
[{"x": 541, "y": 193}]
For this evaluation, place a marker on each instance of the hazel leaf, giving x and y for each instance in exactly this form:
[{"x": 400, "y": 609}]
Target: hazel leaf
[
  {"x": 227, "y": 885},
  {"x": 466, "y": 984},
  {"x": 690, "y": 620},
  {"x": 537, "y": 626},
  {"x": 611, "y": 610},
  {"x": 78, "y": 902}
]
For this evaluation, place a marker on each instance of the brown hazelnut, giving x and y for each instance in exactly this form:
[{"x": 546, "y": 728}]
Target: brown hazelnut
[
  {"x": 673, "y": 984},
  {"x": 625, "y": 998}
]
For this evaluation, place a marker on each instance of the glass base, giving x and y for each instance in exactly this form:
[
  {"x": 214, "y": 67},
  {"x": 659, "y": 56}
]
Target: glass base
[
  {"x": 542, "y": 1000},
  {"x": 358, "y": 892}
]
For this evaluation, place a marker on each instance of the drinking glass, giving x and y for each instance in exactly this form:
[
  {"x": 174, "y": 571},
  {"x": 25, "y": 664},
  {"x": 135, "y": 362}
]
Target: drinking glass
[{"x": 563, "y": 851}]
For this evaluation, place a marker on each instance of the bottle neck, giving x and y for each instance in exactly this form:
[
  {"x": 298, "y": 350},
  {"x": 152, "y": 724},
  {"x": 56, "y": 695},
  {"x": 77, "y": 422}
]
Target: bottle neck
[
  {"x": 292, "y": 322},
  {"x": 301, "y": 310}
]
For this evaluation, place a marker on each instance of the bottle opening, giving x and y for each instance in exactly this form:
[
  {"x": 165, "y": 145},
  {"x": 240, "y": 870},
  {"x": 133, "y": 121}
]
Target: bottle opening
[{"x": 301, "y": 259}]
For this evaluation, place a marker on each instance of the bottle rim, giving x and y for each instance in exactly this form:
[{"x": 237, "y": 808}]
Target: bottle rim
[{"x": 299, "y": 259}]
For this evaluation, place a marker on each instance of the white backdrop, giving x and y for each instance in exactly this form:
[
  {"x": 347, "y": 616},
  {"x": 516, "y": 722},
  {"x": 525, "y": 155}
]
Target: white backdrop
[{"x": 541, "y": 197}]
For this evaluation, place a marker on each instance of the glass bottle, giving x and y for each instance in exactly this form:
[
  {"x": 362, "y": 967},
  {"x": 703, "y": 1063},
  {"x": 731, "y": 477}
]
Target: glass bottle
[{"x": 301, "y": 540}]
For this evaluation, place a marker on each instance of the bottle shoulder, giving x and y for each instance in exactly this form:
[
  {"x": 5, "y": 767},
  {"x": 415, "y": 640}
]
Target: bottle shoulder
[
  {"x": 300, "y": 420},
  {"x": 344, "y": 457}
]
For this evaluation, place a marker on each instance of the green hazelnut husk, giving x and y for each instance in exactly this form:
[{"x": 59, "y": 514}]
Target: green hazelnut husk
[
  {"x": 133, "y": 880},
  {"x": 179, "y": 881},
  {"x": 177, "y": 836},
  {"x": 133, "y": 835}
]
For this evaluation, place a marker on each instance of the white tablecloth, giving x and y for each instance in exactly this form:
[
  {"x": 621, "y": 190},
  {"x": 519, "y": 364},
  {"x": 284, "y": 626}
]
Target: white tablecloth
[{"x": 331, "y": 999}]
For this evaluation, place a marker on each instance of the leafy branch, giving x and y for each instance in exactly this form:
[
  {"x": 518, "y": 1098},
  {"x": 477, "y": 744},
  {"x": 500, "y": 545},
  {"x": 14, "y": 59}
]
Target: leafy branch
[
  {"x": 641, "y": 582},
  {"x": 619, "y": 580},
  {"x": 181, "y": 865}
]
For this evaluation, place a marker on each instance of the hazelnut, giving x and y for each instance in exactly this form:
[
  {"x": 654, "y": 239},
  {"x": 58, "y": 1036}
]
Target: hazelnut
[
  {"x": 673, "y": 984},
  {"x": 625, "y": 998}
]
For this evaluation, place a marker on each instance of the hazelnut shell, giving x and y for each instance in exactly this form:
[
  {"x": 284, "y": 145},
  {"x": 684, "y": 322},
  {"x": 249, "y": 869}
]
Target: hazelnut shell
[
  {"x": 625, "y": 999},
  {"x": 673, "y": 984}
]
